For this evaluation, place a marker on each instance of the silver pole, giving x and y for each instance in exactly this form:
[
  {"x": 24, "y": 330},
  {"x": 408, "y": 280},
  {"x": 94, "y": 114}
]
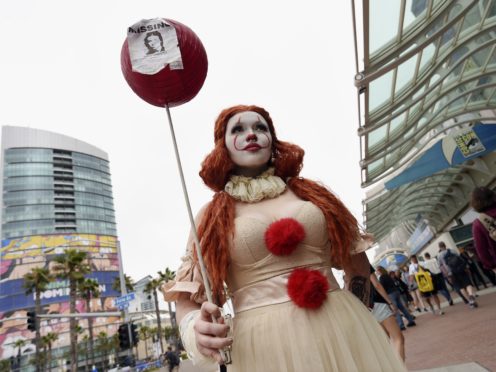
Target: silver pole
[
  {"x": 124, "y": 292},
  {"x": 208, "y": 291}
]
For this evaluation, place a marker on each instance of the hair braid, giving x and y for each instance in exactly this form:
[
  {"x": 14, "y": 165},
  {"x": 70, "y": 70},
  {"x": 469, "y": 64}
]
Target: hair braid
[{"x": 341, "y": 225}]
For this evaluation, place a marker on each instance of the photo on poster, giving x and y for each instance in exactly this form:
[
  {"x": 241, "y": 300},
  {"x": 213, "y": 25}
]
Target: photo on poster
[{"x": 153, "y": 45}]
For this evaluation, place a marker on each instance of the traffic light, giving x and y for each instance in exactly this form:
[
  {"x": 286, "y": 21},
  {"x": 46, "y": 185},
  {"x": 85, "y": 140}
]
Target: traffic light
[
  {"x": 134, "y": 334},
  {"x": 31, "y": 320},
  {"x": 124, "y": 337}
]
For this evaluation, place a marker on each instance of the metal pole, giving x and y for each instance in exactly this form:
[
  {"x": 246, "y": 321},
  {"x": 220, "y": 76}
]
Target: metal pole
[
  {"x": 203, "y": 269},
  {"x": 226, "y": 356},
  {"x": 124, "y": 292}
]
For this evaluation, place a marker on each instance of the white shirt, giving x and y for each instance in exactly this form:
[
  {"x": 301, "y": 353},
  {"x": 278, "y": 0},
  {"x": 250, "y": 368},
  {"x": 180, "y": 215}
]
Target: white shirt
[
  {"x": 432, "y": 266},
  {"x": 413, "y": 268}
]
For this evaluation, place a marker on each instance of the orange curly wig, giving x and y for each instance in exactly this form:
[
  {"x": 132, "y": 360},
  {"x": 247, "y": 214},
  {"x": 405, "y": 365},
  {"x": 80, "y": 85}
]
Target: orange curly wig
[{"x": 216, "y": 227}]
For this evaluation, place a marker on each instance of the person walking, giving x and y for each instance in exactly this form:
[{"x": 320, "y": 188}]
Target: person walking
[
  {"x": 172, "y": 360},
  {"x": 432, "y": 266},
  {"x": 426, "y": 295},
  {"x": 402, "y": 287},
  {"x": 489, "y": 274},
  {"x": 473, "y": 271},
  {"x": 413, "y": 288},
  {"x": 483, "y": 200},
  {"x": 384, "y": 312},
  {"x": 395, "y": 296},
  {"x": 455, "y": 268}
]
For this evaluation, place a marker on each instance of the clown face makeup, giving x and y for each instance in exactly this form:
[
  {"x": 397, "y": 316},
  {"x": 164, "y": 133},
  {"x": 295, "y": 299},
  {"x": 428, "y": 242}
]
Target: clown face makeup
[{"x": 249, "y": 143}]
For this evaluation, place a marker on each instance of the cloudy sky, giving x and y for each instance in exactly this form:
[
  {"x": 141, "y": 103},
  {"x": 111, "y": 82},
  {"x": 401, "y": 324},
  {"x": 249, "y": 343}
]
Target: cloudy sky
[{"x": 60, "y": 71}]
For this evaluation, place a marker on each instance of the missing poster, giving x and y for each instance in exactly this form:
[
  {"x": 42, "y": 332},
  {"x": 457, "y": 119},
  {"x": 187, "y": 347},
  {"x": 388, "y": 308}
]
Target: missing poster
[{"x": 153, "y": 45}]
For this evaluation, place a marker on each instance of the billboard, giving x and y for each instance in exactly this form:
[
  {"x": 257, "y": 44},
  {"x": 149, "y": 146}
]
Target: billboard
[{"x": 19, "y": 256}]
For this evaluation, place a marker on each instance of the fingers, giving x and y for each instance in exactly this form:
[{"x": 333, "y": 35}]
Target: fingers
[
  {"x": 208, "y": 309},
  {"x": 210, "y": 337}
]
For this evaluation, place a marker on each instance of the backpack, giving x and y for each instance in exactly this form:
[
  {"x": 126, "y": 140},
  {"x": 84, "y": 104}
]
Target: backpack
[
  {"x": 424, "y": 280},
  {"x": 455, "y": 262},
  {"x": 490, "y": 224}
]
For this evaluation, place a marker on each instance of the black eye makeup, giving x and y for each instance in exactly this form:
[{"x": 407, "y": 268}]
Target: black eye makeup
[
  {"x": 236, "y": 129},
  {"x": 262, "y": 127}
]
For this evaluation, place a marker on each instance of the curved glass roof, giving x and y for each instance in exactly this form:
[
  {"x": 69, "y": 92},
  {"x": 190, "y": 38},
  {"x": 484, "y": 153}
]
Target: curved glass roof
[{"x": 428, "y": 68}]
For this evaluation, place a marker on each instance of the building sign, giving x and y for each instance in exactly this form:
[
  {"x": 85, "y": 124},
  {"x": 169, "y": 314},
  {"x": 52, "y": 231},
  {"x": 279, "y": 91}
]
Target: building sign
[{"x": 468, "y": 142}]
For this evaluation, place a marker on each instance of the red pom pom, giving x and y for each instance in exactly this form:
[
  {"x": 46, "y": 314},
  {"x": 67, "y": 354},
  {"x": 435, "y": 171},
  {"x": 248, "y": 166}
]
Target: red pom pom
[
  {"x": 307, "y": 288},
  {"x": 283, "y": 236}
]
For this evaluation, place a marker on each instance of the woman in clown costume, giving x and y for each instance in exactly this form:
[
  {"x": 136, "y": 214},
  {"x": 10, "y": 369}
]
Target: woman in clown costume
[{"x": 272, "y": 237}]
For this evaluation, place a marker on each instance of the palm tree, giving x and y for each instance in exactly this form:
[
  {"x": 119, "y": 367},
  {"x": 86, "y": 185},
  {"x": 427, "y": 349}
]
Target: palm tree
[
  {"x": 88, "y": 289},
  {"x": 44, "y": 345},
  {"x": 37, "y": 281},
  {"x": 84, "y": 346},
  {"x": 165, "y": 277},
  {"x": 48, "y": 340},
  {"x": 72, "y": 266},
  {"x": 171, "y": 333},
  {"x": 114, "y": 345},
  {"x": 19, "y": 344},
  {"x": 151, "y": 287},
  {"x": 104, "y": 346},
  {"x": 144, "y": 333},
  {"x": 129, "y": 282}
]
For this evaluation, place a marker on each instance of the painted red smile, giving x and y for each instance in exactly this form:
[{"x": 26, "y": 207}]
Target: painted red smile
[{"x": 252, "y": 147}]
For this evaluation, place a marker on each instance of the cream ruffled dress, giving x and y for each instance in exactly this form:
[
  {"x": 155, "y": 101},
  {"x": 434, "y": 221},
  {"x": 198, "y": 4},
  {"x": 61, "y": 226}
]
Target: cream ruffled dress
[{"x": 271, "y": 333}]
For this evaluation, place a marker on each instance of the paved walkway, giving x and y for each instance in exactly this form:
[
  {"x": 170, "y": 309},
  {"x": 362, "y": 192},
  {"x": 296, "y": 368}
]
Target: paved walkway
[{"x": 463, "y": 339}]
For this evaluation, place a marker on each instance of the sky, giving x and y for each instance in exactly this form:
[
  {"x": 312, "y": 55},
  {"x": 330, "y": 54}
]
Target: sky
[{"x": 60, "y": 71}]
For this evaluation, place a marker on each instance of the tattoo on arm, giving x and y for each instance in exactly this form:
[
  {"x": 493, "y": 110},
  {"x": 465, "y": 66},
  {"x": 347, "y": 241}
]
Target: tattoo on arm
[{"x": 360, "y": 287}]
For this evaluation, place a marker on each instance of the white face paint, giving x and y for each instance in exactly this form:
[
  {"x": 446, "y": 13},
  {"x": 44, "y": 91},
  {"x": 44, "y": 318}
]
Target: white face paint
[{"x": 249, "y": 142}]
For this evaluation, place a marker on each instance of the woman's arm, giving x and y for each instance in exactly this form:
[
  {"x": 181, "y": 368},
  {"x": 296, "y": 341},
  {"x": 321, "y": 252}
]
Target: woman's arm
[
  {"x": 482, "y": 241},
  {"x": 357, "y": 272}
]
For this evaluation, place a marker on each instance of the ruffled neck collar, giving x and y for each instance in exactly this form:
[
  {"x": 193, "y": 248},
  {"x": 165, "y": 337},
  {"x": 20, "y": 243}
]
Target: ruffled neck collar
[{"x": 254, "y": 189}]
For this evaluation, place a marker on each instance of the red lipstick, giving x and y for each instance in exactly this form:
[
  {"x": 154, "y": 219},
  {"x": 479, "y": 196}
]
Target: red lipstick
[{"x": 252, "y": 147}]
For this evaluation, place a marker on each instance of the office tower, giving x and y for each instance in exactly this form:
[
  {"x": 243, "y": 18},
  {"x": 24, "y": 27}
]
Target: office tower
[{"x": 56, "y": 194}]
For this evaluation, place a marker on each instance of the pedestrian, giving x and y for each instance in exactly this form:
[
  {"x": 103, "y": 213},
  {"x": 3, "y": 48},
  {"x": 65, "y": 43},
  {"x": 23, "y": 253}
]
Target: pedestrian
[
  {"x": 413, "y": 287},
  {"x": 394, "y": 294},
  {"x": 384, "y": 311},
  {"x": 473, "y": 271},
  {"x": 456, "y": 269},
  {"x": 489, "y": 274},
  {"x": 483, "y": 200},
  {"x": 402, "y": 286},
  {"x": 428, "y": 295},
  {"x": 432, "y": 266},
  {"x": 172, "y": 360}
]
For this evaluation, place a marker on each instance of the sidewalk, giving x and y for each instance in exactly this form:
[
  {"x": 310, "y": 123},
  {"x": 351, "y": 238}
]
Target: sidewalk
[{"x": 461, "y": 340}]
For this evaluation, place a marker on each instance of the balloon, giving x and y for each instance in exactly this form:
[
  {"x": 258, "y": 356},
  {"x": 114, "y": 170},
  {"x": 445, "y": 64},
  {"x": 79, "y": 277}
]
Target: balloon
[{"x": 171, "y": 87}]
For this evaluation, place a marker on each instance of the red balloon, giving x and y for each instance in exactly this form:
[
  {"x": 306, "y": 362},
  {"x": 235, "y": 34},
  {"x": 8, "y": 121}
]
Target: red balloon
[{"x": 170, "y": 87}]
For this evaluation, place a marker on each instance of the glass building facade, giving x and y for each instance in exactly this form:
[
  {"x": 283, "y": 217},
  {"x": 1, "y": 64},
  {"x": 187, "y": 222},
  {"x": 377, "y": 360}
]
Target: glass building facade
[
  {"x": 56, "y": 194},
  {"x": 50, "y": 191},
  {"x": 425, "y": 78}
]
